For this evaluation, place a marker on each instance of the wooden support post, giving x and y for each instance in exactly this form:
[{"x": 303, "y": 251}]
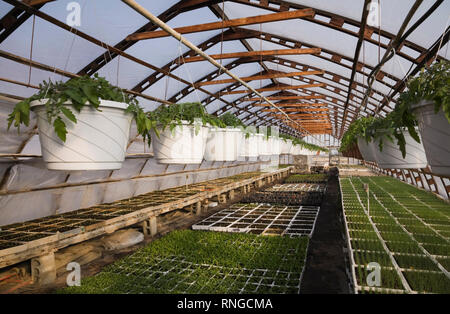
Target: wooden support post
[
  {"x": 43, "y": 269},
  {"x": 222, "y": 198},
  {"x": 150, "y": 227},
  {"x": 198, "y": 208},
  {"x": 231, "y": 194}
]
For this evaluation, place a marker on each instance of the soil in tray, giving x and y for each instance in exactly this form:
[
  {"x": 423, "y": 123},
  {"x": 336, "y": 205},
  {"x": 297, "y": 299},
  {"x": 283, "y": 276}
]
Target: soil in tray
[
  {"x": 256, "y": 231},
  {"x": 222, "y": 224},
  {"x": 9, "y": 235},
  {"x": 8, "y": 244},
  {"x": 32, "y": 237},
  {"x": 239, "y": 225}
]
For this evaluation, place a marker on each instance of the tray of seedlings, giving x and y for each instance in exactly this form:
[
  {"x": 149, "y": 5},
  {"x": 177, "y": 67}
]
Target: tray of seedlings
[
  {"x": 289, "y": 194},
  {"x": 307, "y": 178},
  {"x": 402, "y": 229},
  {"x": 195, "y": 262},
  {"x": 263, "y": 219}
]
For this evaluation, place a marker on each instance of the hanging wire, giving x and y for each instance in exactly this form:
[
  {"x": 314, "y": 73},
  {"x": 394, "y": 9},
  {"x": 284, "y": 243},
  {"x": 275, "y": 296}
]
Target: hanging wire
[
  {"x": 31, "y": 49},
  {"x": 188, "y": 72}
]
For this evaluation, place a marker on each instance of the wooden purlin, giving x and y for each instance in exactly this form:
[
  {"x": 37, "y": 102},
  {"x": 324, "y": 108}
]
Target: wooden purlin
[
  {"x": 287, "y": 97},
  {"x": 292, "y": 105},
  {"x": 275, "y": 88},
  {"x": 297, "y": 110},
  {"x": 232, "y": 55},
  {"x": 259, "y": 19},
  {"x": 260, "y": 77}
]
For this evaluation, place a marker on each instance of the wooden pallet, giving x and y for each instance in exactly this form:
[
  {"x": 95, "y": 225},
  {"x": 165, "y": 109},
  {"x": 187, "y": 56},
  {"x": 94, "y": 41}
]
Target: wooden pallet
[{"x": 44, "y": 236}]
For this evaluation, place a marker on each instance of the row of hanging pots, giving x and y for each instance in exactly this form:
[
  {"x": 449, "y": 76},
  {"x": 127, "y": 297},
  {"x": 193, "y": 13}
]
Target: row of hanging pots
[
  {"x": 433, "y": 149},
  {"x": 91, "y": 148},
  {"x": 185, "y": 145}
]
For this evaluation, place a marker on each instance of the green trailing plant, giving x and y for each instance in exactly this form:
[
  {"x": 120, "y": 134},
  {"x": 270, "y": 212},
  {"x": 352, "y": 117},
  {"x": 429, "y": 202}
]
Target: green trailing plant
[
  {"x": 61, "y": 99},
  {"x": 232, "y": 120},
  {"x": 358, "y": 128},
  {"x": 432, "y": 84},
  {"x": 309, "y": 146},
  {"x": 173, "y": 115}
]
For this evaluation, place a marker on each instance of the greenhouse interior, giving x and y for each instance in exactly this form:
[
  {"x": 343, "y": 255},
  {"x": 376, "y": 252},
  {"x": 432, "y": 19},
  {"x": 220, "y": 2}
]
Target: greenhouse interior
[{"x": 230, "y": 147}]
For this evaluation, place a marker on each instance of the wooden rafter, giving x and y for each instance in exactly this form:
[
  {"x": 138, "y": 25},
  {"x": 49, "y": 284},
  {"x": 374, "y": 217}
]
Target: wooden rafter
[
  {"x": 287, "y": 97},
  {"x": 297, "y": 109},
  {"x": 260, "y": 77},
  {"x": 259, "y": 19},
  {"x": 292, "y": 105},
  {"x": 277, "y": 52},
  {"x": 302, "y": 115},
  {"x": 275, "y": 88}
]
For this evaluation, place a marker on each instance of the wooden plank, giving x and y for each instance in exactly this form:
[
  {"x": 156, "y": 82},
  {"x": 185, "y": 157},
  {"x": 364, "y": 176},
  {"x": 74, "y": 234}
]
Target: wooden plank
[
  {"x": 276, "y": 88},
  {"x": 259, "y": 19},
  {"x": 291, "y": 105},
  {"x": 260, "y": 77},
  {"x": 286, "y": 97},
  {"x": 301, "y": 115},
  {"x": 277, "y": 52},
  {"x": 296, "y": 109}
]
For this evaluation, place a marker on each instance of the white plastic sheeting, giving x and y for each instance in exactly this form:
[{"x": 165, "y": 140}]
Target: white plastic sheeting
[{"x": 56, "y": 192}]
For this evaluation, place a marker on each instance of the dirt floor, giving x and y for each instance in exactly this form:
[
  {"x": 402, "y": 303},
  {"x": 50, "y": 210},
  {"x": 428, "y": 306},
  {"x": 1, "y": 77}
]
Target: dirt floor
[{"x": 325, "y": 271}]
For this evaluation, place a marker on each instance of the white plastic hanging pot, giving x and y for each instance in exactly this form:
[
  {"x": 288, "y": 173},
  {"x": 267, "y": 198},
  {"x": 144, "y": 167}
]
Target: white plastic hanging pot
[
  {"x": 368, "y": 150},
  {"x": 185, "y": 144},
  {"x": 274, "y": 145},
  {"x": 391, "y": 156},
  {"x": 249, "y": 145},
  {"x": 263, "y": 145},
  {"x": 435, "y": 131},
  {"x": 98, "y": 141},
  {"x": 223, "y": 144},
  {"x": 286, "y": 146}
]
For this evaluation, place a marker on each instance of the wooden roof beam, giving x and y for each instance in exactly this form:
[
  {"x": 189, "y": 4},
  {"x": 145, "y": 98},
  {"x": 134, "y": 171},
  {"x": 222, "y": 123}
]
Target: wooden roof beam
[
  {"x": 292, "y": 105},
  {"x": 277, "y": 52},
  {"x": 260, "y": 77},
  {"x": 297, "y": 109},
  {"x": 259, "y": 19},
  {"x": 287, "y": 97},
  {"x": 275, "y": 88}
]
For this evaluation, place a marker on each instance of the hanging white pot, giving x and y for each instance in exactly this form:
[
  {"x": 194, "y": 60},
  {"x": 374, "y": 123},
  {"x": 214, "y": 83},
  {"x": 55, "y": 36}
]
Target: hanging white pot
[
  {"x": 223, "y": 144},
  {"x": 391, "y": 156},
  {"x": 249, "y": 145},
  {"x": 286, "y": 146},
  {"x": 98, "y": 141},
  {"x": 435, "y": 131},
  {"x": 274, "y": 145},
  {"x": 368, "y": 150},
  {"x": 185, "y": 144},
  {"x": 263, "y": 145}
]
